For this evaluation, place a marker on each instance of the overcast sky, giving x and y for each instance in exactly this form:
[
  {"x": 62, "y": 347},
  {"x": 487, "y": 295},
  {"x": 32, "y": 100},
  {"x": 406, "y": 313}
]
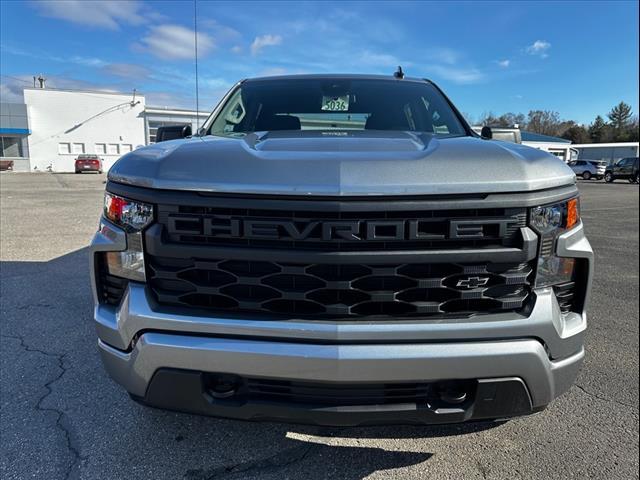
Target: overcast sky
[{"x": 577, "y": 58}]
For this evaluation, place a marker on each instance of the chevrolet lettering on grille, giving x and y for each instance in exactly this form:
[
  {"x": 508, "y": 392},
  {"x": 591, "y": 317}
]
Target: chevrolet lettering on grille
[{"x": 338, "y": 230}]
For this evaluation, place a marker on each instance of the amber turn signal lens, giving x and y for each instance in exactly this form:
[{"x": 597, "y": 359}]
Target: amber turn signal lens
[{"x": 573, "y": 213}]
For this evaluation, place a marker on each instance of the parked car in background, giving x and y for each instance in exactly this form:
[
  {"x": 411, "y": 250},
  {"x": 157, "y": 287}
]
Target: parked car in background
[
  {"x": 626, "y": 168},
  {"x": 6, "y": 165},
  {"x": 88, "y": 163},
  {"x": 588, "y": 169}
]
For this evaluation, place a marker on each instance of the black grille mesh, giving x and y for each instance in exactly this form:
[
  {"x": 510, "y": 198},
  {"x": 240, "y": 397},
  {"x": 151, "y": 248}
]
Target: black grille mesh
[
  {"x": 566, "y": 296},
  {"x": 327, "y": 394},
  {"x": 339, "y": 291},
  {"x": 110, "y": 288}
]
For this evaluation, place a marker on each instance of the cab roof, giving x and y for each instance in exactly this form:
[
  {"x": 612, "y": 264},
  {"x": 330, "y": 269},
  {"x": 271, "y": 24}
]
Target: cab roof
[{"x": 340, "y": 76}]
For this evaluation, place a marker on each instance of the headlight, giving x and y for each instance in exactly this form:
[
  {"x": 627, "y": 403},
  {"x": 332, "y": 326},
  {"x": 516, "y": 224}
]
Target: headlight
[
  {"x": 132, "y": 216},
  {"x": 555, "y": 219},
  {"x": 551, "y": 221}
]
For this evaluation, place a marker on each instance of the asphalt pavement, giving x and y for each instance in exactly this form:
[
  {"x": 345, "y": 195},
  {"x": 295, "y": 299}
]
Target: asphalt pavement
[{"x": 62, "y": 417}]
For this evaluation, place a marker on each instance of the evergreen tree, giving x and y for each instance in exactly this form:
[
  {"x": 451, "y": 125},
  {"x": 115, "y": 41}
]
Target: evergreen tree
[
  {"x": 620, "y": 116},
  {"x": 597, "y": 130}
]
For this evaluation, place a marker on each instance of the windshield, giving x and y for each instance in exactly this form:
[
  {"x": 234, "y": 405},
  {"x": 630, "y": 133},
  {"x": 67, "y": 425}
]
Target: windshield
[{"x": 336, "y": 104}]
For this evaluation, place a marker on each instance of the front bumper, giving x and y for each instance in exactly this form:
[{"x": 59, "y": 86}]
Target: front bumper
[
  {"x": 160, "y": 355},
  {"x": 144, "y": 373}
]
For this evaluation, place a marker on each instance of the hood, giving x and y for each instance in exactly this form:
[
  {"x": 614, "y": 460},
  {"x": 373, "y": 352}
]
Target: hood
[{"x": 341, "y": 164}]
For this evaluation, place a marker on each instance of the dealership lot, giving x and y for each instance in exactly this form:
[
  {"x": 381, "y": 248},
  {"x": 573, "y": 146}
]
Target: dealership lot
[{"x": 62, "y": 417}]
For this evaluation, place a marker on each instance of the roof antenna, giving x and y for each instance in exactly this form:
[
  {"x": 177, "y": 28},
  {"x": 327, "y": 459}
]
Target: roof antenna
[
  {"x": 398, "y": 73},
  {"x": 195, "y": 43}
]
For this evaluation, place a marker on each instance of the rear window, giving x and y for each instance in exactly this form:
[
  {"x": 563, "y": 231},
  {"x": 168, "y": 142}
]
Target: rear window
[{"x": 336, "y": 104}]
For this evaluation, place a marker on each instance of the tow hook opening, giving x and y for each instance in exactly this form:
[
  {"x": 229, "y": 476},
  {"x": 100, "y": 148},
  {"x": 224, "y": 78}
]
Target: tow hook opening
[
  {"x": 223, "y": 386},
  {"x": 454, "y": 392}
]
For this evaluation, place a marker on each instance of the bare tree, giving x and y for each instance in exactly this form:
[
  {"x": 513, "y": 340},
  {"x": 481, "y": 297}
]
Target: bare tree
[{"x": 545, "y": 122}]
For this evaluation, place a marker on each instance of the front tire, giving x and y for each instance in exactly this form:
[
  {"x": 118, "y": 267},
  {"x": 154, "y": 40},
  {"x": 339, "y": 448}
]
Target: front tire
[
  {"x": 586, "y": 175},
  {"x": 608, "y": 177}
]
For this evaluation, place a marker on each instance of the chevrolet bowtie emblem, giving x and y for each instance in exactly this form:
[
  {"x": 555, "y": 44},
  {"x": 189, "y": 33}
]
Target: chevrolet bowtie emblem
[{"x": 473, "y": 282}]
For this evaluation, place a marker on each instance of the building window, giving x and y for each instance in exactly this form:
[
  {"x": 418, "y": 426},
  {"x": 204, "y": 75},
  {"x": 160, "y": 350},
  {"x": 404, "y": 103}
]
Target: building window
[
  {"x": 126, "y": 147},
  {"x": 64, "y": 148},
  {"x": 101, "y": 148},
  {"x": 77, "y": 147},
  {"x": 113, "y": 149},
  {"x": 11, "y": 147}
]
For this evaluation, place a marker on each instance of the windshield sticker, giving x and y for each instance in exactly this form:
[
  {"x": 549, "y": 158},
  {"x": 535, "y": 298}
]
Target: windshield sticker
[{"x": 335, "y": 104}]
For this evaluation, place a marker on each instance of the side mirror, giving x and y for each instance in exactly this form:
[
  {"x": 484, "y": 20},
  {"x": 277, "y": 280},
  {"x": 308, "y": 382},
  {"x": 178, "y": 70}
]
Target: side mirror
[
  {"x": 486, "y": 133},
  {"x": 172, "y": 132}
]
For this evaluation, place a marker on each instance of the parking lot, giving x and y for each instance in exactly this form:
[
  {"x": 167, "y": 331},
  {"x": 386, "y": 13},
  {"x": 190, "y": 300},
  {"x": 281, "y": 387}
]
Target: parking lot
[{"x": 62, "y": 417}]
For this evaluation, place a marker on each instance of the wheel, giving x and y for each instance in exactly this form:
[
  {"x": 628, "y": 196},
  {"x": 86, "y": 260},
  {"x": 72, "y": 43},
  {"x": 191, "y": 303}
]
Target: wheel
[
  {"x": 608, "y": 177},
  {"x": 99, "y": 172},
  {"x": 586, "y": 175},
  {"x": 77, "y": 172},
  {"x": 638, "y": 177}
]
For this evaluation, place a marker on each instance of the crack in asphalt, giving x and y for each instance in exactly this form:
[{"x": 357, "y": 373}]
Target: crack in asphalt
[
  {"x": 60, "y": 415},
  {"x": 604, "y": 399},
  {"x": 33, "y": 305},
  {"x": 279, "y": 460},
  {"x": 61, "y": 181}
]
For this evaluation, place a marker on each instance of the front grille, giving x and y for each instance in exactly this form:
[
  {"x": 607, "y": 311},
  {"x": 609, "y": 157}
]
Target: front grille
[
  {"x": 284, "y": 258},
  {"x": 342, "y": 230},
  {"x": 339, "y": 291}
]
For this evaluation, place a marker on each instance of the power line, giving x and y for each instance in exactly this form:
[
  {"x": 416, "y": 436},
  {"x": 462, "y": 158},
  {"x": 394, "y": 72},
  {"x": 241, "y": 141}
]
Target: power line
[
  {"x": 16, "y": 78},
  {"x": 111, "y": 109},
  {"x": 91, "y": 93}
]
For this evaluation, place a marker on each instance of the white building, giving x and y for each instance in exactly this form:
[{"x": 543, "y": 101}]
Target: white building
[
  {"x": 67, "y": 123},
  {"x": 564, "y": 149},
  {"x": 560, "y": 147},
  {"x": 53, "y": 126},
  {"x": 605, "y": 152}
]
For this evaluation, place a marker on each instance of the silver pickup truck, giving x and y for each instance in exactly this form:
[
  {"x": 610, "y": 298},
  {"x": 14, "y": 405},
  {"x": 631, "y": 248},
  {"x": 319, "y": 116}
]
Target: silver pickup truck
[{"x": 341, "y": 250}]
